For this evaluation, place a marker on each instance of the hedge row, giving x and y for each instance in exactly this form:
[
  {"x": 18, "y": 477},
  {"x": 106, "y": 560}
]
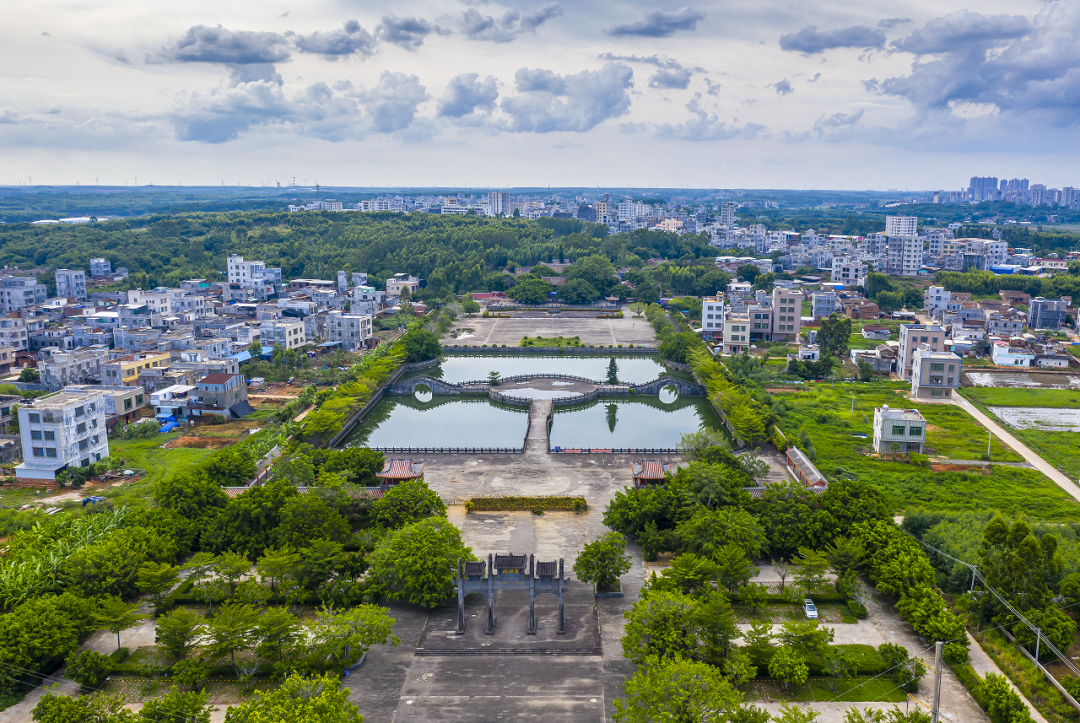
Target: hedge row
[{"x": 518, "y": 502}]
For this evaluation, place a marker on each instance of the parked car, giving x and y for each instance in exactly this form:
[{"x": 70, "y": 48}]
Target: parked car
[{"x": 809, "y": 609}]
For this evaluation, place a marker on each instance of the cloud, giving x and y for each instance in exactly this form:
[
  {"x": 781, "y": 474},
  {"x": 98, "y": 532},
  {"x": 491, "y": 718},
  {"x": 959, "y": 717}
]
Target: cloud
[
  {"x": 783, "y": 87},
  {"x": 222, "y": 114},
  {"x": 408, "y": 33},
  {"x": 811, "y": 41},
  {"x": 837, "y": 122},
  {"x": 252, "y": 72},
  {"x": 713, "y": 87},
  {"x": 547, "y": 101},
  {"x": 392, "y": 104},
  {"x": 202, "y": 44},
  {"x": 660, "y": 23},
  {"x": 815, "y": 78},
  {"x": 660, "y": 61},
  {"x": 670, "y": 79},
  {"x": 706, "y": 127},
  {"x": 466, "y": 94},
  {"x": 963, "y": 30},
  {"x": 890, "y": 23},
  {"x": 350, "y": 39},
  {"x": 508, "y": 27}
]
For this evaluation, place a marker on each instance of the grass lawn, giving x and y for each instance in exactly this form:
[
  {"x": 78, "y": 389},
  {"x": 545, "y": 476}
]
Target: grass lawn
[
  {"x": 860, "y": 689},
  {"x": 551, "y": 341},
  {"x": 858, "y": 341},
  {"x": 970, "y": 361},
  {"x": 1061, "y": 449},
  {"x": 150, "y": 455},
  {"x": 1007, "y": 397},
  {"x": 823, "y": 413}
]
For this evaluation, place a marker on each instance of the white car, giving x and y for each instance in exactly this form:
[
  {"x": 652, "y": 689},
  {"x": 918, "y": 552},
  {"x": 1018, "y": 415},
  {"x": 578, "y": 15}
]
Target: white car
[{"x": 809, "y": 609}]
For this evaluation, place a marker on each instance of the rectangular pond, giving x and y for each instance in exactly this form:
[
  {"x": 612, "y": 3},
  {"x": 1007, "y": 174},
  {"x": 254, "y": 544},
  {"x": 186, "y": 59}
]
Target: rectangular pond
[
  {"x": 471, "y": 367},
  {"x": 630, "y": 423},
  {"x": 1048, "y": 420},
  {"x": 1023, "y": 380},
  {"x": 401, "y": 421}
]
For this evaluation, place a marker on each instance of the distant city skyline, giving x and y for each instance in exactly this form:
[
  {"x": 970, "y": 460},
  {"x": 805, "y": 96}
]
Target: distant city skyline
[{"x": 495, "y": 94}]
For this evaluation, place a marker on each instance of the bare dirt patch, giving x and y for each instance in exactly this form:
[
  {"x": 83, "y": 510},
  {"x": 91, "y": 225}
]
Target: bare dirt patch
[{"x": 200, "y": 442}]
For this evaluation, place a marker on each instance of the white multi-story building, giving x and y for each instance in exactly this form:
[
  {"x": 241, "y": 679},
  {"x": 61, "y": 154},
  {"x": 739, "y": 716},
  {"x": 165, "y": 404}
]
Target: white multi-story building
[
  {"x": 17, "y": 292},
  {"x": 823, "y": 303},
  {"x": 285, "y": 332},
  {"x": 251, "y": 274},
  {"x": 905, "y": 255},
  {"x": 156, "y": 302},
  {"x": 396, "y": 283},
  {"x": 350, "y": 330},
  {"x": 187, "y": 302},
  {"x": 13, "y": 333},
  {"x": 498, "y": 203},
  {"x": 366, "y": 300},
  {"x": 81, "y": 366},
  {"x": 727, "y": 214},
  {"x": 358, "y": 279},
  {"x": 100, "y": 267},
  {"x": 935, "y": 298},
  {"x": 712, "y": 316},
  {"x": 913, "y": 337},
  {"x": 901, "y": 225},
  {"x": 58, "y": 431},
  {"x": 787, "y": 313},
  {"x": 736, "y": 334},
  {"x": 934, "y": 374},
  {"x": 71, "y": 284},
  {"x": 848, "y": 271},
  {"x": 898, "y": 431}
]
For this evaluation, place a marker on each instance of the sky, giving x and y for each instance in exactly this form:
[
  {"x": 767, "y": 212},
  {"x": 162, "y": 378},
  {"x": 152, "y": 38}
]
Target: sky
[{"x": 897, "y": 94}]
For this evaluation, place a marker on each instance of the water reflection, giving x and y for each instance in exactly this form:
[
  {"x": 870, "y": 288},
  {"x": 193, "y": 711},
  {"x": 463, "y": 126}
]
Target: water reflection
[
  {"x": 422, "y": 393},
  {"x": 623, "y": 423},
  {"x": 469, "y": 367},
  {"x": 612, "y": 416},
  {"x": 669, "y": 394},
  {"x": 443, "y": 421}
]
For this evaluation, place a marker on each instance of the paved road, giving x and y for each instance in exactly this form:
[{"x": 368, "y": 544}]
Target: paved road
[{"x": 1036, "y": 461}]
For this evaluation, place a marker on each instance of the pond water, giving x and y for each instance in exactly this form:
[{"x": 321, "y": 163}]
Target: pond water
[
  {"x": 1048, "y": 420},
  {"x": 442, "y": 421},
  {"x": 1024, "y": 380},
  {"x": 621, "y": 423},
  {"x": 471, "y": 367}
]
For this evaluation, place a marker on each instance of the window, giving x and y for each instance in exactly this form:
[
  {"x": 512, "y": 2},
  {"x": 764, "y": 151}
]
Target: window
[
  {"x": 35, "y": 434},
  {"x": 915, "y": 431},
  {"x": 937, "y": 367},
  {"x": 39, "y": 452},
  {"x": 34, "y": 418},
  {"x": 84, "y": 444},
  {"x": 79, "y": 411},
  {"x": 50, "y": 452},
  {"x": 50, "y": 435},
  {"x": 81, "y": 428}
]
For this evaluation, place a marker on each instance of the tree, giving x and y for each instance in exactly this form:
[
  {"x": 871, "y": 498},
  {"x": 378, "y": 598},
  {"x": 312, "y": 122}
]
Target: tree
[
  {"x": 307, "y": 518},
  {"x": 661, "y": 625},
  {"x": 88, "y": 668},
  {"x": 836, "y": 664},
  {"x": 755, "y": 597},
  {"x": 311, "y": 700},
  {"x": 255, "y": 349},
  {"x": 677, "y": 690},
  {"x": 845, "y": 555},
  {"x": 907, "y": 671},
  {"x": 733, "y": 567},
  {"x": 1002, "y": 703},
  {"x": 759, "y": 641},
  {"x": 192, "y": 495},
  {"x": 342, "y": 638},
  {"x": 103, "y": 708},
  {"x": 177, "y": 631},
  {"x": 790, "y": 713},
  {"x": 747, "y": 273},
  {"x": 248, "y": 525},
  {"x": 833, "y": 336},
  {"x": 805, "y": 637},
  {"x": 29, "y": 375},
  {"x": 228, "y": 468},
  {"x": 895, "y": 715},
  {"x": 747, "y": 423},
  {"x": 420, "y": 345},
  {"x": 603, "y": 561},
  {"x": 276, "y": 630},
  {"x": 810, "y": 568},
  {"x": 783, "y": 569},
  {"x": 417, "y": 563},
  {"x": 866, "y": 372},
  {"x": 531, "y": 290},
  {"x": 612, "y": 372},
  {"x": 788, "y": 667},
  {"x": 578, "y": 291},
  {"x": 494, "y": 377},
  {"x": 678, "y": 347},
  {"x": 177, "y": 707},
  {"x": 110, "y": 565},
  {"x": 694, "y": 445},
  {"x": 114, "y": 615},
  {"x": 230, "y": 567},
  {"x": 276, "y": 564},
  {"x": 406, "y": 503},
  {"x": 156, "y": 580},
  {"x": 708, "y": 531},
  {"x": 688, "y": 573},
  {"x": 468, "y": 305},
  {"x": 232, "y": 629}
]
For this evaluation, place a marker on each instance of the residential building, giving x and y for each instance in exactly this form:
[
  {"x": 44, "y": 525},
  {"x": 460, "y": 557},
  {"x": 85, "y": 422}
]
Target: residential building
[
  {"x": 171, "y": 403},
  {"x": 71, "y": 284},
  {"x": 399, "y": 282},
  {"x": 288, "y": 333},
  {"x": 81, "y": 366},
  {"x": 898, "y": 431},
  {"x": 17, "y": 292},
  {"x": 934, "y": 374},
  {"x": 350, "y": 330},
  {"x": 100, "y": 267},
  {"x": 7, "y": 359},
  {"x": 712, "y": 316},
  {"x": 1009, "y": 354},
  {"x": 224, "y": 395},
  {"x": 13, "y": 333},
  {"x": 1004, "y": 324},
  {"x": 498, "y": 203},
  {"x": 727, "y": 214},
  {"x": 936, "y": 297},
  {"x": 848, "y": 271},
  {"x": 914, "y": 336},
  {"x": 787, "y": 314},
  {"x": 122, "y": 404},
  {"x": 736, "y": 334},
  {"x": 61, "y": 430},
  {"x": 904, "y": 255},
  {"x": 1047, "y": 313},
  {"x": 156, "y": 302},
  {"x": 823, "y": 303},
  {"x": 901, "y": 225},
  {"x": 124, "y": 371},
  {"x": 366, "y": 300},
  {"x": 760, "y": 315},
  {"x": 254, "y": 275}
]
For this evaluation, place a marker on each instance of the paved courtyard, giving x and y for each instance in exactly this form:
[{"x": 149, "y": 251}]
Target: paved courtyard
[{"x": 509, "y": 331}]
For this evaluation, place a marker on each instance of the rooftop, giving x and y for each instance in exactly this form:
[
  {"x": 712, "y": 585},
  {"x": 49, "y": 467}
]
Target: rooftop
[
  {"x": 906, "y": 415},
  {"x": 60, "y": 400},
  {"x": 216, "y": 378}
]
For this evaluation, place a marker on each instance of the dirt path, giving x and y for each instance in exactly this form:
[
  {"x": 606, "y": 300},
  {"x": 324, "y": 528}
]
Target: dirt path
[{"x": 1035, "y": 460}]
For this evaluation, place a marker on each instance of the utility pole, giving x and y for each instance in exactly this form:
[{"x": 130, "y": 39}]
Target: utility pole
[{"x": 938, "y": 664}]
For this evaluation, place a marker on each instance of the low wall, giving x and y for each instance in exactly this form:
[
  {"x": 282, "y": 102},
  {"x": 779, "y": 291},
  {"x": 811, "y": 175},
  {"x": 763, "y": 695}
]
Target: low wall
[
  {"x": 547, "y": 350},
  {"x": 352, "y": 421},
  {"x": 450, "y": 450}
]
